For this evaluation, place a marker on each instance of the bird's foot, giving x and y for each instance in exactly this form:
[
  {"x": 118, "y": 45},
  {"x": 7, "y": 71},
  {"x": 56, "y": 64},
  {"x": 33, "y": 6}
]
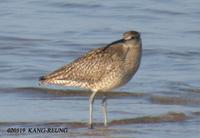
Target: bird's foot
[
  {"x": 90, "y": 126},
  {"x": 105, "y": 125}
]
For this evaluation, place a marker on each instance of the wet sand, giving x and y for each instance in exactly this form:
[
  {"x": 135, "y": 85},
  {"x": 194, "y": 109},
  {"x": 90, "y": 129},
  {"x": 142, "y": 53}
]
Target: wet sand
[
  {"x": 79, "y": 129},
  {"x": 122, "y": 127}
]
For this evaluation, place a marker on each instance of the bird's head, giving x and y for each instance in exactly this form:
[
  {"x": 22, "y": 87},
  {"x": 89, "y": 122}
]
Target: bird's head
[{"x": 132, "y": 37}]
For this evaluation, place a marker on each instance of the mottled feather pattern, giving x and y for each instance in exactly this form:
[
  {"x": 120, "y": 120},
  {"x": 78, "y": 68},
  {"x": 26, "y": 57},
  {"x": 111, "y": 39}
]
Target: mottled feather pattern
[
  {"x": 89, "y": 69},
  {"x": 103, "y": 68}
]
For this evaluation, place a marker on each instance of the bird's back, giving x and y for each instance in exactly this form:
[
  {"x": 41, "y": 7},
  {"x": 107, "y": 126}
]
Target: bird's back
[
  {"x": 100, "y": 69},
  {"x": 89, "y": 69}
]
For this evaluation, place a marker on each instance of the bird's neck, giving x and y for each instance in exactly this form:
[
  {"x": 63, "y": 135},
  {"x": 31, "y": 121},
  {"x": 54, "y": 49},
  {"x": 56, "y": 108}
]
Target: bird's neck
[{"x": 133, "y": 56}]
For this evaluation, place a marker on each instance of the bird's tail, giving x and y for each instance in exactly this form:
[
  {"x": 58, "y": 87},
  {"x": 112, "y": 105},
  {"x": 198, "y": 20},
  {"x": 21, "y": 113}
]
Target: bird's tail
[{"x": 43, "y": 80}]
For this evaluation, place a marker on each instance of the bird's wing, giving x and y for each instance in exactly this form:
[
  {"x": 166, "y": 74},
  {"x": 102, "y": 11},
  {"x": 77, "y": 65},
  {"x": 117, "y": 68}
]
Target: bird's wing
[{"x": 90, "y": 67}]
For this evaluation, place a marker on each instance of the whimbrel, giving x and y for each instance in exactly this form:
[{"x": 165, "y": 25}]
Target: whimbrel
[{"x": 101, "y": 69}]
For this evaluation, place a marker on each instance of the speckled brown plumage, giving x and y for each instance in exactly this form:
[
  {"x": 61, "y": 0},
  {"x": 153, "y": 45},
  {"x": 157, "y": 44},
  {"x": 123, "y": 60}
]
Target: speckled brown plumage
[
  {"x": 101, "y": 69},
  {"x": 107, "y": 65}
]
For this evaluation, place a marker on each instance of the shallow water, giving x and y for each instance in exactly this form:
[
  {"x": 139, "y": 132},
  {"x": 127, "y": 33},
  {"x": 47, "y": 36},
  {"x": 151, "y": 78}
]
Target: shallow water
[{"x": 37, "y": 37}]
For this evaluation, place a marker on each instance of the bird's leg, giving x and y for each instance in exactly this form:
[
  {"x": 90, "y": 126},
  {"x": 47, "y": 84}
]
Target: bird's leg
[
  {"x": 91, "y": 101},
  {"x": 104, "y": 109}
]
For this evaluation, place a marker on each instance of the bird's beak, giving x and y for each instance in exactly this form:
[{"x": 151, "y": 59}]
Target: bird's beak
[{"x": 119, "y": 41}]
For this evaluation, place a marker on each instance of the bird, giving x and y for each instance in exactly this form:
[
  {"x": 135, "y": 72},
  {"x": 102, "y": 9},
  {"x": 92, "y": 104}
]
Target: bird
[{"x": 101, "y": 69}]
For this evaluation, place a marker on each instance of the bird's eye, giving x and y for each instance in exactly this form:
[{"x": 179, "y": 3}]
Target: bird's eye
[{"x": 133, "y": 37}]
